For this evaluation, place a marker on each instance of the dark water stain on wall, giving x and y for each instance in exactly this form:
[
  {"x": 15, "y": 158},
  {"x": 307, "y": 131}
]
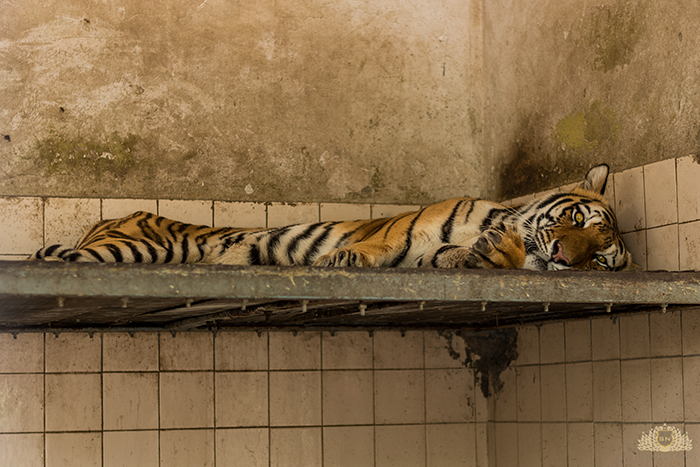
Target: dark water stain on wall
[{"x": 488, "y": 352}]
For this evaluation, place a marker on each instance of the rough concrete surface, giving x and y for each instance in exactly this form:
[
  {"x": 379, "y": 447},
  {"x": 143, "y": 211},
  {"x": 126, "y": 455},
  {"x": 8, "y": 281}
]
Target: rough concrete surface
[
  {"x": 283, "y": 100},
  {"x": 349, "y": 100},
  {"x": 572, "y": 84}
]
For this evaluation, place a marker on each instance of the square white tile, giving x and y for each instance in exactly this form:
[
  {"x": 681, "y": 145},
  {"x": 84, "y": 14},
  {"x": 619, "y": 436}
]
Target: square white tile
[
  {"x": 283, "y": 214},
  {"x": 21, "y": 225},
  {"x": 118, "y": 208},
  {"x": 67, "y": 219},
  {"x": 660, "y": 193},
  {"x": 237, "y": 214},
  {"x": 662, "y": 248},
  {"x": 688, "y": 188},
  {"x": 187, "y": 211},
  {"x": 629, "y": 196}
]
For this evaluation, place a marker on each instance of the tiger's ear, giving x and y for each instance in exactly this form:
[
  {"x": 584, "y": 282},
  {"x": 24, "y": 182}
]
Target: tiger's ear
[{"x": 596, "y": 178}]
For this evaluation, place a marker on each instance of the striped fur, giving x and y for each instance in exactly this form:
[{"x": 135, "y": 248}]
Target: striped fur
[{"x": 563, "y": 230}]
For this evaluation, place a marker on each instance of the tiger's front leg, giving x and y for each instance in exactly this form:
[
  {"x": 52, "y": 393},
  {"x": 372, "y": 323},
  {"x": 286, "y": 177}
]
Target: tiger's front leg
[
  {"x": 363, "y": 254},
  {"x": 498, "y": 247}
]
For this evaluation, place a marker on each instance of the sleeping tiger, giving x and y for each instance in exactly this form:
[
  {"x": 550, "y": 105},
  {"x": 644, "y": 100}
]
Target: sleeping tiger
[{"x": 560, "y": 231}]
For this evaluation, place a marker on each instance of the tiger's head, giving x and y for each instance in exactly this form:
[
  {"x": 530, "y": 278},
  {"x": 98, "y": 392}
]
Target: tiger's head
[{"x": 577, "y": 229}]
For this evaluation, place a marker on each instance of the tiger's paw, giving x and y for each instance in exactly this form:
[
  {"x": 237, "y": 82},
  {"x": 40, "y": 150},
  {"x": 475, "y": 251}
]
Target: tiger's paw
[
  {"x": 346, "y": 257},
  {"x": 498, "y": 247}
]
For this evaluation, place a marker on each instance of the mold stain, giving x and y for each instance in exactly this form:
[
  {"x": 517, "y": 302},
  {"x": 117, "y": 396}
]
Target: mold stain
[
  {"x": 69, "y": 155},
  {"x": 586, "y": 130},
  {"x": 614, "y": 32}
]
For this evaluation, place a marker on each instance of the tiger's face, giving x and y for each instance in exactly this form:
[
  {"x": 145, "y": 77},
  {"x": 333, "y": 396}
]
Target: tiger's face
[{"x": 574, "y": 230}]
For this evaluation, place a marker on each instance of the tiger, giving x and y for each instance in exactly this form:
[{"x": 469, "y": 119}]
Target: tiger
[{"x": 564, "y": 230}]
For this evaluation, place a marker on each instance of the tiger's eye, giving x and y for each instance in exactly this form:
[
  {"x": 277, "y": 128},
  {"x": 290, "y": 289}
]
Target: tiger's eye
[
  {"x": 601, "y": 259},
  {"x": 578, "y": 217}
]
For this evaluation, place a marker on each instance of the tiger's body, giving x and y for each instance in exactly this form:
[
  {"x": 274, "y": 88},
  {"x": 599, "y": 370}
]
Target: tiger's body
[{"x": 561, "y": 231}]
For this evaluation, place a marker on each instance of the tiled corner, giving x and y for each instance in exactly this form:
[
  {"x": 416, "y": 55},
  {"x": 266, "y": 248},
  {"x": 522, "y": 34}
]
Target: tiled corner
[
  {"x": 73, "y": 402},
  {"x": 282, "y": 214},
  {"x": 344, "y": 446},
  {"x": 130, "y": 448},
  {"x": 73, "y": 352},
  {"x": 245, "y": 447},
  {"x": 242, "y": 399},
  {"x": 73, "y": 449},
  {"x": 241, "y": 350},
  {"x": 688, "y": 188},
  {"x": 449, "y": 395},
  {"x": 348, "y": 397},
  {"x": 346, "y": 350},
  {"x": 662, "y": 248},
  {"x": 182, "y": 448},
  {"x": 689, "y": 246},
  {"x": 118, "y": 208},
  {"x": 552, "y": 348},
  {"x": 381, "y": 211},
  {"x": 579, "y": 392},
  {"x": 236, "y": 214},
  {"x": 660, "y": 193},
  {"x": 296, "y": 447},
  {"x": 67, "y": 219},
  {"x": 21, "y": 403},
  {"x": 186, "y": 400},
  {"x": 23, "y": 353},
  {"x": 130, "y": 401},
  {"x": 402, "y": 445},
  {"x": 295, "y": 398},
  {"x": 21, "y": 225},
  {"x": 606, "y": 391},
  {"x": 124, "y": 352},
  {"x": 344, "y": 212},
  {"x": 189, "y": 212},
  {"x": 629, "y": 188},
  {"x": 295, "y": 351},
  {"x": 399, "y": 396},
  {"x": 22, "y": 449},
  {"x": 186, "y": 351},
  {"x": 394, "y": 349},
  {"x": 578, "y": 340}
]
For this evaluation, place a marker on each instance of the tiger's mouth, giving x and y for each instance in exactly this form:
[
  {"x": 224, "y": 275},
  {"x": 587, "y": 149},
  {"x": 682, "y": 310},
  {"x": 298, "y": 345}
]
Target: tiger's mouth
[{"x": 557, "y": 256}]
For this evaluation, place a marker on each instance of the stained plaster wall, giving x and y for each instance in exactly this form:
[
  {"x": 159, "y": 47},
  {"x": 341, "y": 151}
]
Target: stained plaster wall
[
  {"x": 350, "y": 100},
  {"x": 570, "y": 84},
  {"x": 271, "y": 100}
]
